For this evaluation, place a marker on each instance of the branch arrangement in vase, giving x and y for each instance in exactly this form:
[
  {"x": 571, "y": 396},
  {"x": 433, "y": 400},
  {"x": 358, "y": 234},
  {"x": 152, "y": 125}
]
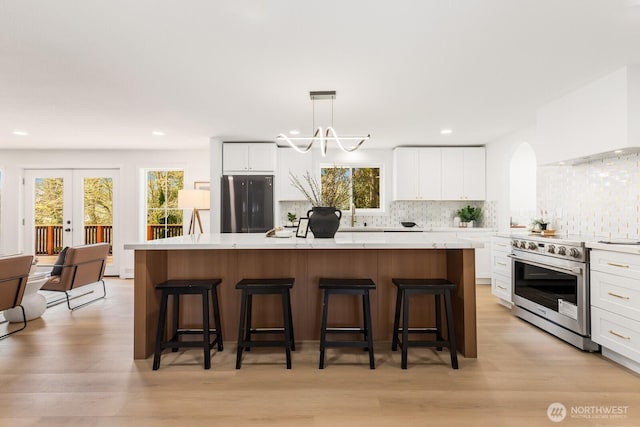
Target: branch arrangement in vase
[{"x": 335, "y": 190}]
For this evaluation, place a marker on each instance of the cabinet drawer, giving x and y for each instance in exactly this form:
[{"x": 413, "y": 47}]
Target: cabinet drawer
[
  {"x": 501, "y": 244},
  {"x": 501, "y": 287},
  {"x": 617, "y": 294},
  {"x": 500, "y": 263},
  {"x": 615, "y": 332},
  {"x": 621, "y": 264}
]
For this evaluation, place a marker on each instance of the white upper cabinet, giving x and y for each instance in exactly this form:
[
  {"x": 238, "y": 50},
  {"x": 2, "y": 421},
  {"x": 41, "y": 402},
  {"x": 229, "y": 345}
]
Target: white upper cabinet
[
  {"x": 248, "y": 158},
  {"x": 463, "y": 173},
  {"x": 416, "y": 173},
  {"x": 290, "y": 161}
]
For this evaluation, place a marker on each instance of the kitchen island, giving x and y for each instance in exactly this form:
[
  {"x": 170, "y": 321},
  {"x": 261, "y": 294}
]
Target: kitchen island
[{"x": 379, "y": 256}]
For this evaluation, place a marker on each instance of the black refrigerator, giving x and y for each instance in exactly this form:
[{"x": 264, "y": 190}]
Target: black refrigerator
[{"x": 247, "y": 203}]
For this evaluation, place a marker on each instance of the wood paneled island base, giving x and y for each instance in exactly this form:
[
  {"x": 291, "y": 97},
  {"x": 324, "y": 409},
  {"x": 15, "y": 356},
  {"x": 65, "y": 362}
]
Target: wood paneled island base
[{"x": 306, "y": 266}]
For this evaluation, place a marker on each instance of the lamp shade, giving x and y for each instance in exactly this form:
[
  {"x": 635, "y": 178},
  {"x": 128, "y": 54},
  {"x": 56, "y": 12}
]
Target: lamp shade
[{"x": 194, "y": 199}]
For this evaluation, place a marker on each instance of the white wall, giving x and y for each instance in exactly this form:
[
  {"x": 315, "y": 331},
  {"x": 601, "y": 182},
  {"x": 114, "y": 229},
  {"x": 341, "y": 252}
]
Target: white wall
[
  {"x": 499, "y": 154},
  {"x": 130, "y": 163}
]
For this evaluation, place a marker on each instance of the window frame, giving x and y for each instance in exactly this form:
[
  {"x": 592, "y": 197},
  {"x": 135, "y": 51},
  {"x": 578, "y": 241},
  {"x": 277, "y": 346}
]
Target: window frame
[
  {"x": 356, "y": 165},
  {"x": 146, "y": 210}
]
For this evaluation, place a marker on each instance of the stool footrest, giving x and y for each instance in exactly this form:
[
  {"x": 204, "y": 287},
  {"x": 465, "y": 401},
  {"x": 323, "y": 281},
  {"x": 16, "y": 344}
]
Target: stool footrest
[
  {"x": 416, "y": 343},
  {"x": 195, "y": 331},
  {"x": 267, "y": 330},
  {"x": 355, "y": 344},
  {"x": 420, "y": 330},
  {"x": 176, "y": 344},
  {"x": 262, "y": 343},
  {"x": 345, "y": 330}
]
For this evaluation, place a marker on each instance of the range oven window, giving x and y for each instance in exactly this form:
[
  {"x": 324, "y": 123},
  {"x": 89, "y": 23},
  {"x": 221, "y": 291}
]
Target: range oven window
[{"x": 544, "y": 285}]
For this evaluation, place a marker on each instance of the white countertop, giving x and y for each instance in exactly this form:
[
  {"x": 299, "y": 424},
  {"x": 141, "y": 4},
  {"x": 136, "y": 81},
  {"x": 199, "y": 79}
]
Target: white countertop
[
  {"x": 359, "y": 240},
  {"x": 627, "y": 249},
  {"x": 414, "y": 229}
]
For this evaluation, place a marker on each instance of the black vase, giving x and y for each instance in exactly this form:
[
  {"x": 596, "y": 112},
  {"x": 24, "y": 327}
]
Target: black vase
[{"x": 324, "y": 221}]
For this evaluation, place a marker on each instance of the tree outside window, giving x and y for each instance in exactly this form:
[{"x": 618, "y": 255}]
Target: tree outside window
[
  {"x": 365, "y": 185},
  {"x": 164, "y": 219}
]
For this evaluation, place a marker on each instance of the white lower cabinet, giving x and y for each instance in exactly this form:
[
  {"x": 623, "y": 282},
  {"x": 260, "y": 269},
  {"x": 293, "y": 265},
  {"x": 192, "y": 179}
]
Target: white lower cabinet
[
  {"x": 615, "y": 306},
  {"x": 482, "y": 254},
  {"x": 501, "y": 269}
]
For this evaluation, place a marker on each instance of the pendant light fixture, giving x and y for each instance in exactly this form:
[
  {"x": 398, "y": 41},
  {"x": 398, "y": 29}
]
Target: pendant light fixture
[{"x": 323, "y": 135}]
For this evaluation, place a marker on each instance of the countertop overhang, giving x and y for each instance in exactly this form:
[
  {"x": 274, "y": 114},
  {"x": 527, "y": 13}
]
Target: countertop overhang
[{"x": 357, "y": 240}]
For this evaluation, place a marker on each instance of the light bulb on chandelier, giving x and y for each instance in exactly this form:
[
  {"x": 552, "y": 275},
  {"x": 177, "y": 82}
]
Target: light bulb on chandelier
[{"x": 323, "y": 136}]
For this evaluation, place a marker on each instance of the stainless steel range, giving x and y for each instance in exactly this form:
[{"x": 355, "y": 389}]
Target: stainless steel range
[{"x": 551, "y": 286}]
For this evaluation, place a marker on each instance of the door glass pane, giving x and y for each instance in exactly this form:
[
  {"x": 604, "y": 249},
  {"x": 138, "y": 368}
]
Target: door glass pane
[
  {"x": 48, "y": 207},
  {"x": 98, "y": 211}
]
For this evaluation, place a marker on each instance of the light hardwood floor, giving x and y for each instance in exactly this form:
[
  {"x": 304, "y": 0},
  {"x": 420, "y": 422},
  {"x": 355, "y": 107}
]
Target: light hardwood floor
[{"x": 77, "y": 369}]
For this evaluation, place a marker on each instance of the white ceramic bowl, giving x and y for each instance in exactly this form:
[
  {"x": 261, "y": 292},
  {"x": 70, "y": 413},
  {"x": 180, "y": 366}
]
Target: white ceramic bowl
[{"x": 284, "y": 233}]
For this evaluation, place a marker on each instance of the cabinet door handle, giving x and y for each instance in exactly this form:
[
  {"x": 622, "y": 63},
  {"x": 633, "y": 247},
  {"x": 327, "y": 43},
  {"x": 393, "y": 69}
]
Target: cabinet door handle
[
  {"x": 613, "y": 264},
  {"x": 501, "y": 263},
  {"x": 618, "y": 296},
  {"x": 619, "y": 335},
  {"x": 501, "y": 287}
]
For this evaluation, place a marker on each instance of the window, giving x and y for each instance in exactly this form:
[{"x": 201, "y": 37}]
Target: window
[
  {"x": 365, "y": 185},
  {"x": 164, "y": 219}
]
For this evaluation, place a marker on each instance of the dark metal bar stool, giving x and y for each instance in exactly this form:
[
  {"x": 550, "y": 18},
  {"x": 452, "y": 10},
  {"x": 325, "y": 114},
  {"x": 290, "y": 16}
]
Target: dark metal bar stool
[
  {"x": 252, "y": 287},
  {"x": 347, "y": 287},
  {"x": 188, "y": 287},
  {"x": 436, "y": 287}
]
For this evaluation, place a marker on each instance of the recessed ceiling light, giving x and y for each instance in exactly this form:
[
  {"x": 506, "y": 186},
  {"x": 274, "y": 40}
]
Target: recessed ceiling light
[
  {"x": 157, "y": 133},
  {"x": 446, "y": 131},
  {"x": 618, "y": 151},
  {"x": 294, "y": 132},
  {"x": 20, "y": 133}
]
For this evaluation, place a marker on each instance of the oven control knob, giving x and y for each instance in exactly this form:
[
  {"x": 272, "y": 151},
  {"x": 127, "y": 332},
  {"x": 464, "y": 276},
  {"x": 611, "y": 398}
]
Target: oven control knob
[
  {"x": 533, "y": 245},
  {"x": 514, "y": 243},
  {"x": 562, "y": 250},
  {"x": 573, "y": 252},
  {"x": 552, "y": 249},
  {"x": 523, "y": 244}
]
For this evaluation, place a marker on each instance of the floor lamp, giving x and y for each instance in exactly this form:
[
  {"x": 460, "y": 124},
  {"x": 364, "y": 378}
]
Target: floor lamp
[{"x": 196, "y": 200}]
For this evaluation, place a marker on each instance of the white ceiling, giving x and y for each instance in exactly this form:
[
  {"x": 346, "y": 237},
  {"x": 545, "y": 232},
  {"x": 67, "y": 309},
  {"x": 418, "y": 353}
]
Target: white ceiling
[{"x": 105, "y": 73}]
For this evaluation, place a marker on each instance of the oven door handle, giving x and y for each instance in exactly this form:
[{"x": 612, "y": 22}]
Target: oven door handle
[{"x": 573, "y": 270}]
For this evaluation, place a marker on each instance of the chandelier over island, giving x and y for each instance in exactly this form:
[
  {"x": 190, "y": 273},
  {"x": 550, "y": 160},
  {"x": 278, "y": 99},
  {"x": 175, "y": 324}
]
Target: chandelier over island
[{"x": 323, "y": 135}]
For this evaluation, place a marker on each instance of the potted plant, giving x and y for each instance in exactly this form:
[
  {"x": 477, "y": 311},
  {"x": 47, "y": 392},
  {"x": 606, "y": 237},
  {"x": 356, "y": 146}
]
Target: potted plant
[
  {"x": 326, "y": 200},
  {"x": 538, "y": 225},
  {"x": 291, "y": 217},
  {"x": 468, "y": 215}
]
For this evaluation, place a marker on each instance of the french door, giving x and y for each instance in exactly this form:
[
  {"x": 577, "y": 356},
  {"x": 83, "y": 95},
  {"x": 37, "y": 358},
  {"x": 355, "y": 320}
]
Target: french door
[{"x": 70, "y": 207}]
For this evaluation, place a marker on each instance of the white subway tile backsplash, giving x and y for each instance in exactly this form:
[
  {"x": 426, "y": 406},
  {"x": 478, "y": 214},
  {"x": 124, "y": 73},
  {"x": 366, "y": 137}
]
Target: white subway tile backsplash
[
  {"x": 424, "y": 213},
  {"x": 599, "y": 199}
]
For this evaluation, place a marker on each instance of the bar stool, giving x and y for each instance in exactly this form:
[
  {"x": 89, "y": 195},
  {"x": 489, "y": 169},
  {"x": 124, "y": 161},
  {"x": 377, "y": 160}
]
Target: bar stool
[
  {"x": 252, "y": 287},
  {"x": 176, "y": 288},
  {"x": 347, "y": 287},
  {"x": 436, "y": 287}
]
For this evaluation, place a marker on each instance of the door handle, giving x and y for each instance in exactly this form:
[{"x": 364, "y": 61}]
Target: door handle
[{"x": 67, "y": 229}]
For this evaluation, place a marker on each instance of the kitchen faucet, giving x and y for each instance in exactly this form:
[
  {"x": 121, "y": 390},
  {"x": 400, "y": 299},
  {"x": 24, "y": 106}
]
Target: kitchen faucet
[{"x": 353, "y": 215}]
